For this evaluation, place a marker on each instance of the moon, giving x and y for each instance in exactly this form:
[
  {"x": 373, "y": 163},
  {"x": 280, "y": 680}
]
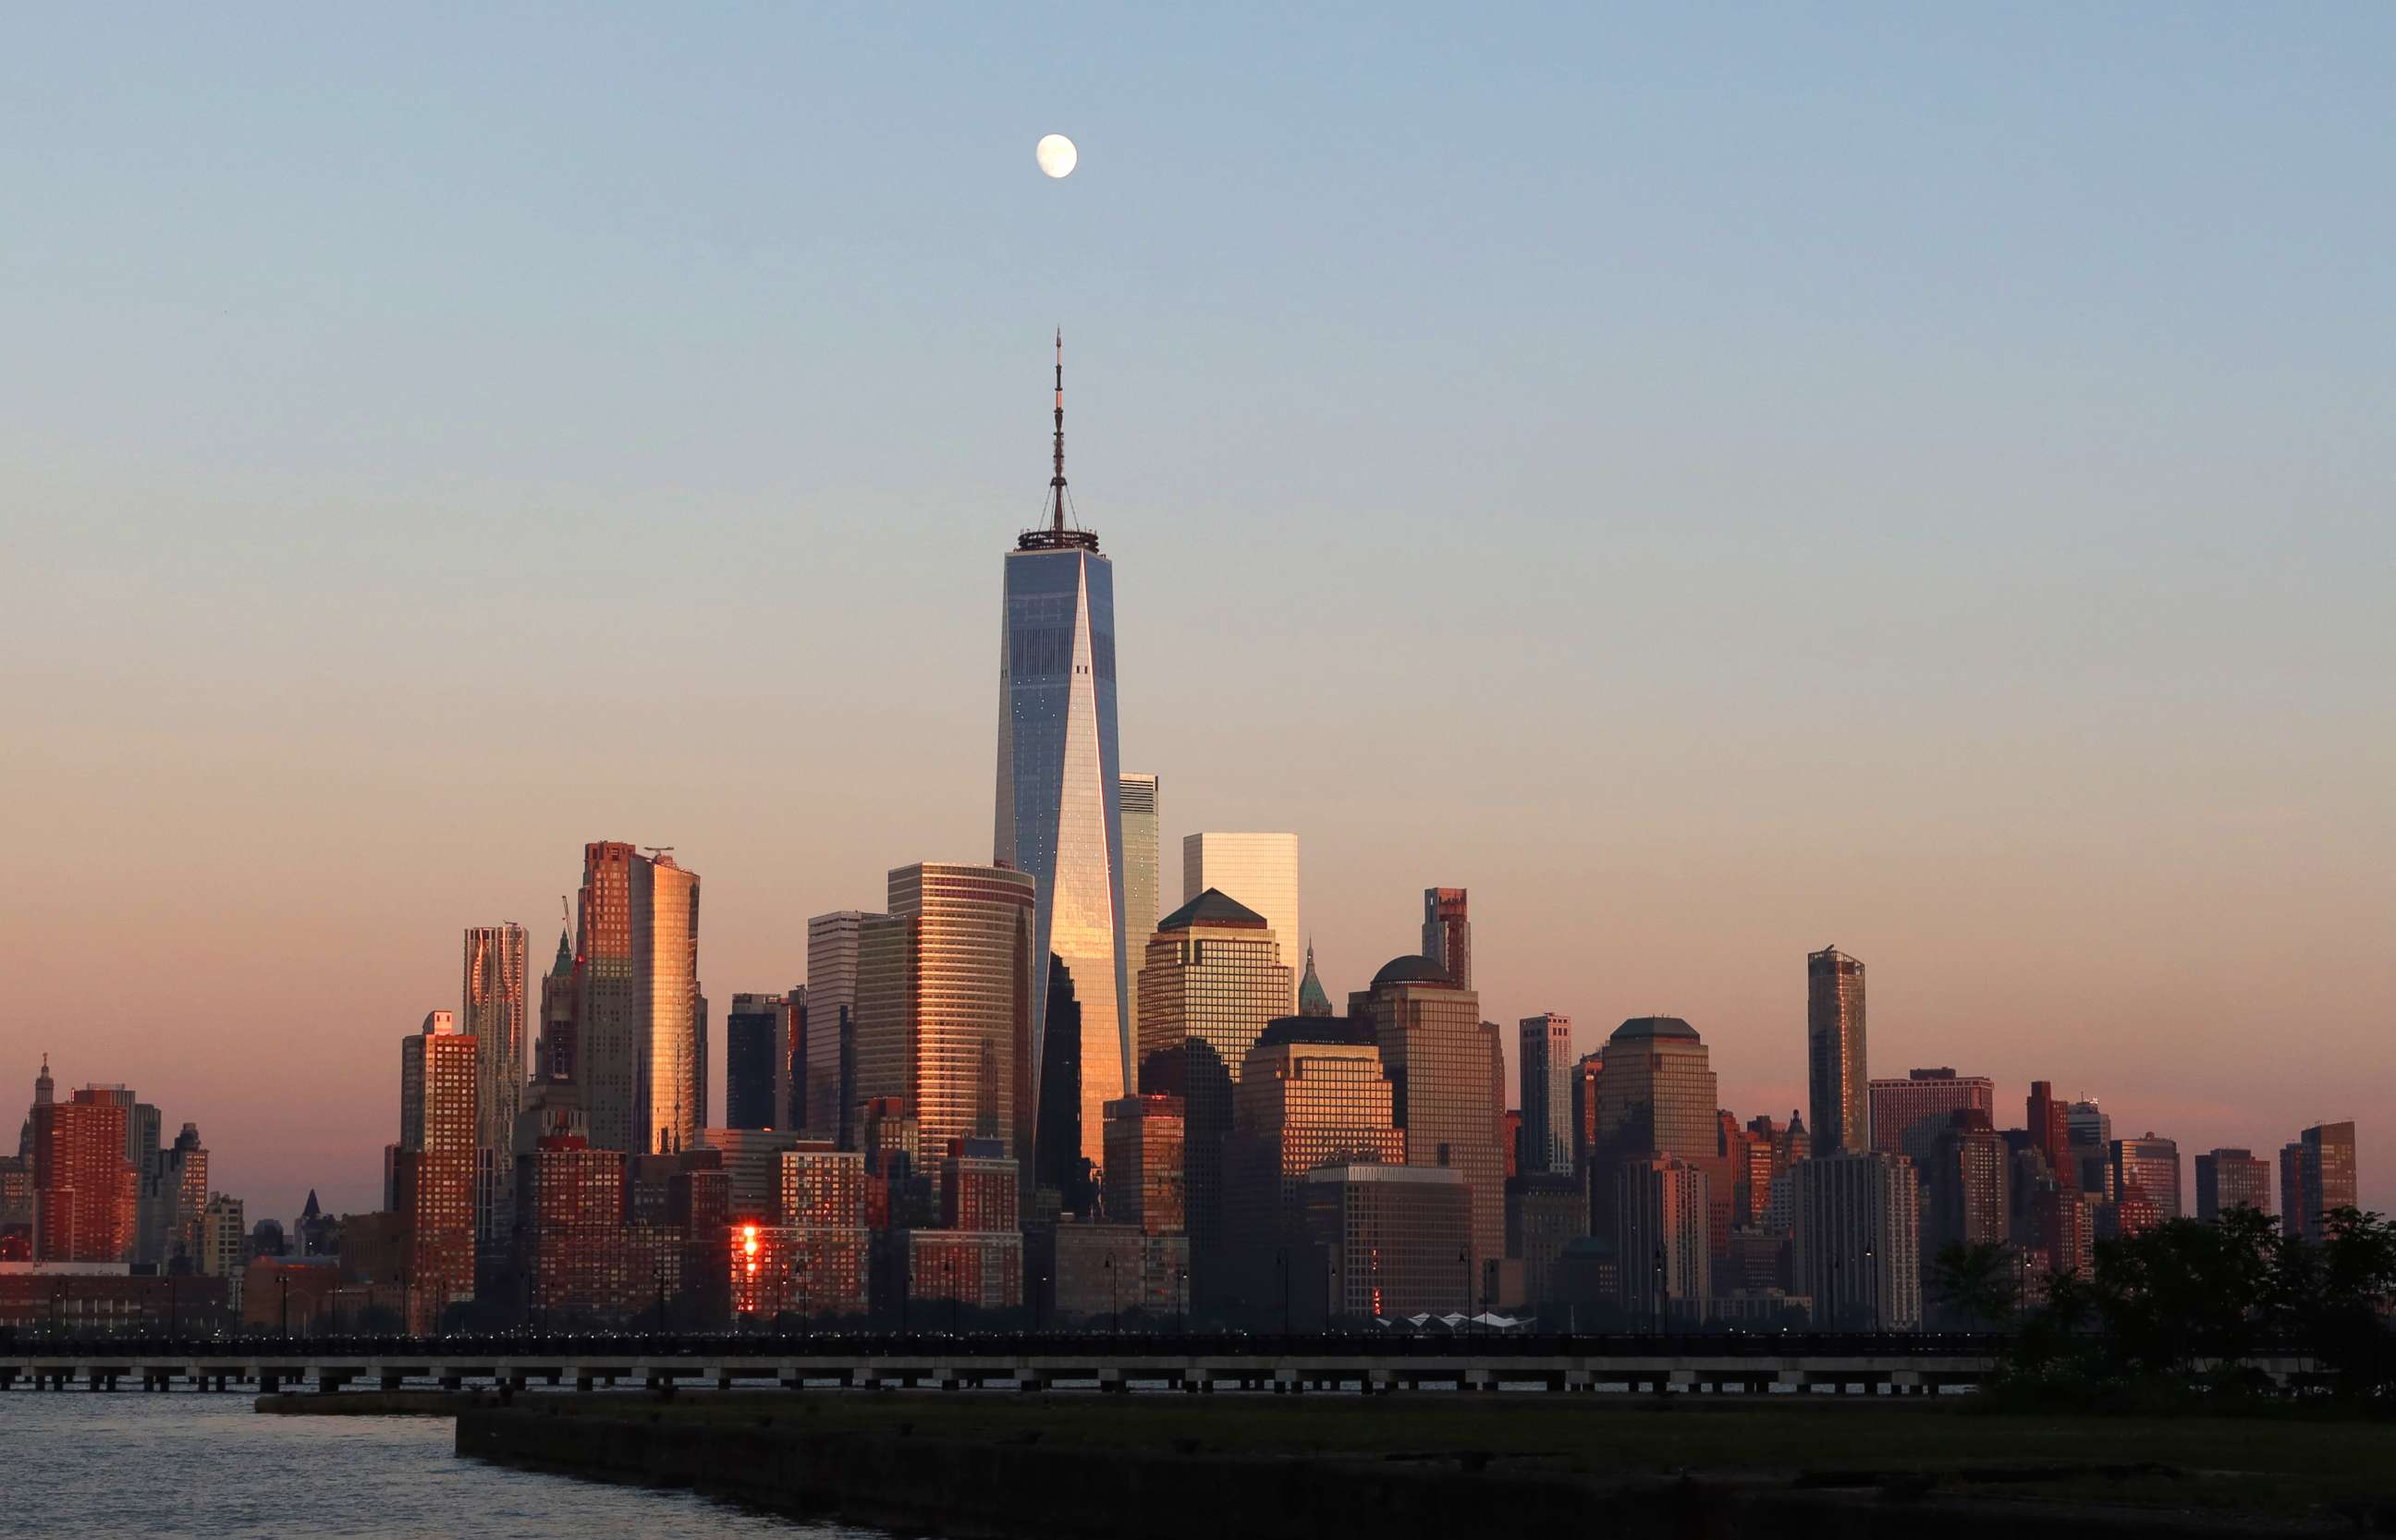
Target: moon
[{"x": 1057, "y": 155}]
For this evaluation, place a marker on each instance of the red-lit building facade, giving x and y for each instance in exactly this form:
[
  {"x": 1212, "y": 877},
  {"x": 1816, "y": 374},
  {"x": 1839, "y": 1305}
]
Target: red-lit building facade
[
  {"x": 439, "y": 1069},
  {"x": 86, "y": 1194}
]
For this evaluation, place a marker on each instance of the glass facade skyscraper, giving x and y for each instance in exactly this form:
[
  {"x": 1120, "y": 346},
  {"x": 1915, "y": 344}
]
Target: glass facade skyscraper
[
  {"x": 1835, "y": 1077},
  {"x": 1059, "y": 804},
  {"x": 1140, "y": 860},
  {"x": 637, "y": 1000},
  {"x": 1261, "y": 870},
  {"x": 492, "y": 1010}
]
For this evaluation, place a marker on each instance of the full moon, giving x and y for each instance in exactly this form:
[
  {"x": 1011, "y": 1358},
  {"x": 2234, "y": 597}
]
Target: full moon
[{"x": 1057, "y": 155}]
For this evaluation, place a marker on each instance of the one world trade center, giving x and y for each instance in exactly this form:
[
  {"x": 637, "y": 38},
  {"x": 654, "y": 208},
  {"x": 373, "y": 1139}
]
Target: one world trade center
[{"x": 1059, "y": 804}]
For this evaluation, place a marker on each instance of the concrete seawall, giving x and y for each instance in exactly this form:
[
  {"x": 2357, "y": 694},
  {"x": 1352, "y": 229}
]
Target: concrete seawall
[{"x": 1015, "y": 1488}]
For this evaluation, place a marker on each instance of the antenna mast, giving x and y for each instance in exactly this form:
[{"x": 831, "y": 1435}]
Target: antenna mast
[{"x": 1056, "y": 482}]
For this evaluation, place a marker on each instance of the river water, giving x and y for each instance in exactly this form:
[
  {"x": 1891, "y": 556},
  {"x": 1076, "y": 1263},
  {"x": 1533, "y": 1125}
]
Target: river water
[{"x": 79, "y": 1462}]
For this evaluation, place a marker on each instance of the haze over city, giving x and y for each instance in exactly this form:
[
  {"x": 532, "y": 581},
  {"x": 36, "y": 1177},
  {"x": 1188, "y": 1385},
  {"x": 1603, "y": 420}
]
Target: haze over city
[{"x": 1715, "y": 489}]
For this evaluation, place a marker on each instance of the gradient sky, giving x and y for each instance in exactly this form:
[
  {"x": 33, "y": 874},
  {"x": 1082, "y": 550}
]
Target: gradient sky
[{"x": 1714, "y": 480}]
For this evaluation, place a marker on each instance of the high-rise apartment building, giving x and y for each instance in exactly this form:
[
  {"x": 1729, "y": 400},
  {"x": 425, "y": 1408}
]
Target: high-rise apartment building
[
  {"x": 1857, "y": 1222},
  {"x": 2153, "y": 1165},
  {"x": 182, "y": 1193},
  {"x": 1059, "y": 809},
  {"x": 832, "y": 1027},
  {"x": 2231, "y": 1178},
  {"x": 1258, "y": 870},
  {"x": 1448, "y": 932},
  {"x": 1440, "y": 1065},
  {"x": 1544, "y": 1054},
  {"x": 1909, "y": 1115},
  {"x": 1212, "y": 979},
  {"x": 2330, "y": 1180},
  {"x": 944, "y": 1005},
  {"x": 440, "y": 1072},
  {"x": 1661, "y": 1239},
  {"x": 1142, "y": 874},
  {"x": 87, "y": 1195},
  {"x": 639, "y": 1057},
  {"x": 493, "y": 1011},
  {"x": 1836, "y": 1080}
]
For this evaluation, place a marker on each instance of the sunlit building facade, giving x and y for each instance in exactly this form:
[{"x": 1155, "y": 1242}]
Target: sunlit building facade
[
  {"x": 637, "y": 1001},
  {"x": 2151, "y": 1162},
  {"x": 944, "y": 1001},
  {"x": 1258, "y": 870},
  {"x": 440, "y": 1073},
  {"x": 1837, "y": 1100},
  {"x": 86, "y": 1194},
  {"x": 1145, "y": 1171},
  {"x": 1059, "y": 804},
  {"x": 1909, "y": 1115},
  {"x": 1212, "y": 980},
  {"x": 1441, "y": 1066},
  {"x": 494, "y": 1011}
]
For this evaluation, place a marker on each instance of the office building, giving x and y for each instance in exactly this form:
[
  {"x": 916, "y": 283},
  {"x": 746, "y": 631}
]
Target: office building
[
  {"x": 2153, "y": 1165},
  {"x": 1858, "y": 1242},
  {"x": 1145, "y": 1169},
  {"x": 440, "y": 1073},
  {"x": 1545, "y": 1212},
  {"x": 1658, "y": 1094},
  {"x": 636, "y": 1010},
  {"x": 944, "y": 1002},
  {"x": 1143, "y": 872},
  {"x": 1909, "y": 1115},
  {"x": 1385, "y": 1241},
  {"x": 1256, "y": 870},
  {"x": 2231, "y": 1178},
  {"x": 1660, "y": 1237},
  {"x": 1441, "y": 1066},
  {"x": 1060, "y": 805},
  {"x": 1545, "y": 1062},
  {"x": 751, "y": 1160},
  {"x": 1838, "y": 1101},
  {"x": 1212, "y": 979},
  {"x": 87, "y": 1195},
  {"x": 2326, "y": 1157},
  {"x": 493, "y": 1011},
  {"x": 1311, "y": 1093}
]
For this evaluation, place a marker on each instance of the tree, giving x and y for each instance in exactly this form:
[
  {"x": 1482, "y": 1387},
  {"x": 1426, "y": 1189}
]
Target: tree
[{"x": 1975, "y": 1281}]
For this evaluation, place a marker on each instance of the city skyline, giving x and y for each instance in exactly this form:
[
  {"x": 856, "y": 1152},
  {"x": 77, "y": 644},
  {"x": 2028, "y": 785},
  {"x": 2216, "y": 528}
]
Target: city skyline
[{"x": 1687, "y": 593}]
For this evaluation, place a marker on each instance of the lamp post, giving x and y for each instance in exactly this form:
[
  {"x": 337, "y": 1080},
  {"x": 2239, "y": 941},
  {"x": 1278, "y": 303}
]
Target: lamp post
[
  {"x": 283, "y": 1310},
  {"x": 953, "y": 1299},
  {"x": 1464, "y": 1267},
  {"x": 1115, "y": 1292},
  {"x": 1180, "y": 1298},
  {"x": 1281, "y": 1257},
  {"x": 1871, "y": 1281},
  {"x": 173, "y": 1317}
]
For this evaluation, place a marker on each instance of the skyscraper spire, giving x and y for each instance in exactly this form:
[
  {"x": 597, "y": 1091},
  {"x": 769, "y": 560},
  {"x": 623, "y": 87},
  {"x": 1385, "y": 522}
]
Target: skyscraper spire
[{"x": 1057, "y": 481}]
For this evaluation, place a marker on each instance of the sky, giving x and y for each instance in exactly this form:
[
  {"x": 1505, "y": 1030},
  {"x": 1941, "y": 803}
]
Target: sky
[{"x": 1716, "y": 481}]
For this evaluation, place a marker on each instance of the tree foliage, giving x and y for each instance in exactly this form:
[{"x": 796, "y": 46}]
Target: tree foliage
[{"x": 2191, "y": 1301}]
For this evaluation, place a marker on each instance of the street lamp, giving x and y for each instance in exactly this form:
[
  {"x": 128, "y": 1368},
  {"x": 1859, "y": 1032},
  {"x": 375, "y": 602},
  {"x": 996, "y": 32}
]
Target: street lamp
[
  {"x": 1464, "y": 1266},
  {"x": 1871, "y": 1281},
  {"x": 1115, "y": 1294},
  {"x": 1181, "y": 1297},
  {"x": 1659, "y": 1291},
  {"x": 1281, "y": 1258},
  {"x": 285, "y": 1309}
]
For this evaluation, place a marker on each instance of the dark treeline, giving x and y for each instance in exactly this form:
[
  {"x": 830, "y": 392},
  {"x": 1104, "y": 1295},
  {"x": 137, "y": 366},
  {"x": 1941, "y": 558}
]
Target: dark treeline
[{"x": 2172, "y": 1315}]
